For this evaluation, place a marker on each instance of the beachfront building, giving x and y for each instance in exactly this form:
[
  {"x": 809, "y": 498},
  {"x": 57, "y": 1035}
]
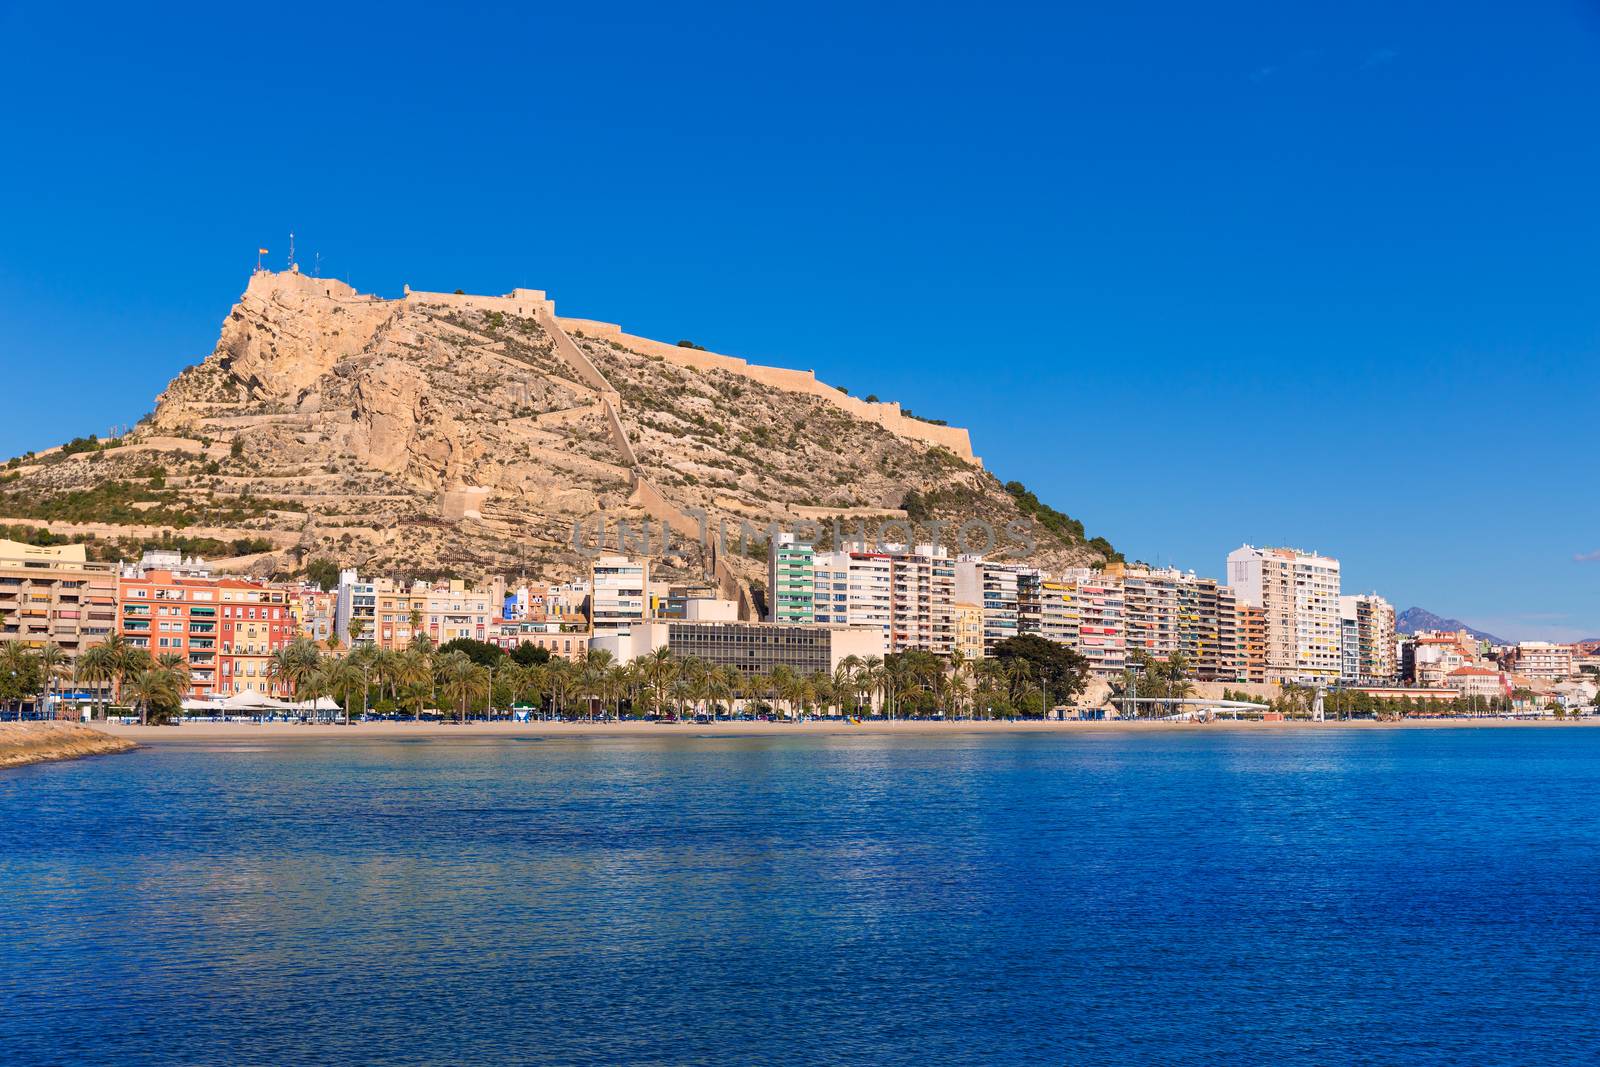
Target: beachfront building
[
  {"x": 1223, "y": 661},
  {"x": 1252, "y": 626},
  {"x": 55, "y": 595},
  {"x": 852, "y": 588},
  {"x": 908, "y": 593},
  {"x": 256, "y": 620},
  {"x": 568, "y": 644},
  {"x": 968, "y": 620},
  {"x": 1298, "y": 593},
  {"x": 1542, "y": 661},
  {"x": 1367, "y": 639},
  {"x": 1084, "y": 609},
  {"x": 994, "y": 587},
  {"x": 355, "y": 609},
  {"x": 791, "y": 580},
  {"x": 752, "y": 647},
  {"x": 922, "y": 592},
  {"x": 617, "y": 597},
  {"x": 1479, "y": 682},
  {"x": 1150, "y": 598},
  {"x": 224, "y": 629}
]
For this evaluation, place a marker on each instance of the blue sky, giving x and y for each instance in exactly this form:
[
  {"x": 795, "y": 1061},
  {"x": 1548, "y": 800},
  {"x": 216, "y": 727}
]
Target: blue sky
[{"x": 1197, "y": 274}]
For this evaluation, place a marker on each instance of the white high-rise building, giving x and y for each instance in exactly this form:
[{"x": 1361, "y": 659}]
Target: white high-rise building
[
  {"x": 617, "y": 597},
  {"x": 1298, "y": 593}
]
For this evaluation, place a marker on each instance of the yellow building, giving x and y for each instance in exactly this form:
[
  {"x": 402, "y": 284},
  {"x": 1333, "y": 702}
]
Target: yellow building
[
  {"x": 445, "y": 611},
  {"x": 968, "y": 620},
  {"x": 54, "y": 595}
]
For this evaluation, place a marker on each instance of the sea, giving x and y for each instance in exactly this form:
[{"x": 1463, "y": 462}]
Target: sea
[{"x": 1203, "y": 896}]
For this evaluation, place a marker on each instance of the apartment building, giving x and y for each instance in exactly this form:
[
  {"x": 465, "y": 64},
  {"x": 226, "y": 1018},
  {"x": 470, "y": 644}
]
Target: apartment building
[
  {"x": 1150, "y": 600},
  {"x": 1086, "y": 609},
  {"x": 1542, "y": 661},
  {"x": 511, "y": 634},
  {"x": 442, "y": 612},
  {"x": 996, "y": 588},
  {"x": 1252, "y": 627},
  {"x": 355, "y": 609},
  {"x": 922, "y": 594},
  {"x": 1367, "y": 639},
  {"x": 617, "y": 597},
  {"x": 853, "y": 588},
  {"x": 255, "y": 621},
  {"x": 224, "y": 629},
  {"x": 1298, "y": 592},
  {"x": 968, "y": 620},
  {"x": 791, "y": 580},
  {"x": 55, "y": 595}
]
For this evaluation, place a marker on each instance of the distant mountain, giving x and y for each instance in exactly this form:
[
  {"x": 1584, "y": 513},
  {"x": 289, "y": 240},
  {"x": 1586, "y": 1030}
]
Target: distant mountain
[{"x": 1415, "y": 620}]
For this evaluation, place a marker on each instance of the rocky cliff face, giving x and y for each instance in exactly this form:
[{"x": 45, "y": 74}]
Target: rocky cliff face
[{"x": 354, "y": 428}]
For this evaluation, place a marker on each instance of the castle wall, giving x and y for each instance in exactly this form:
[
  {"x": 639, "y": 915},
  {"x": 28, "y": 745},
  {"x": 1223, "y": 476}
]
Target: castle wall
[{"x": 885, "y": 414}]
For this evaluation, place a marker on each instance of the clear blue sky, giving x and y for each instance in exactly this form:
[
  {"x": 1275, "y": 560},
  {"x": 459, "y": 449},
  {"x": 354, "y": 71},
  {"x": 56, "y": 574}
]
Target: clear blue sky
[{"x": 1198, "y": 274}]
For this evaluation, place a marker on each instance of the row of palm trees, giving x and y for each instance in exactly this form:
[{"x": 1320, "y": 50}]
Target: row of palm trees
[
  {"x": 153, "y": 684},
  {"x": 422, "y": 677}
]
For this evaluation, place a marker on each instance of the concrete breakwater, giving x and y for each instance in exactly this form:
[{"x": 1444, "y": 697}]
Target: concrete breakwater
[{"x": 38, "y": 742}]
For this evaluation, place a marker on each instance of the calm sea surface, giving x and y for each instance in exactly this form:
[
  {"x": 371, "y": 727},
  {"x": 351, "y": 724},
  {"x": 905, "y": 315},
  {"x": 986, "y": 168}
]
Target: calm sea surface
[{"x": 1428, "y": 896}]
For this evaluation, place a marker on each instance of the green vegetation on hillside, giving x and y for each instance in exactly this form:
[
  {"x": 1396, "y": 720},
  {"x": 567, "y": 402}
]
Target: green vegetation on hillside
[{"x": 1064, "y": 526}]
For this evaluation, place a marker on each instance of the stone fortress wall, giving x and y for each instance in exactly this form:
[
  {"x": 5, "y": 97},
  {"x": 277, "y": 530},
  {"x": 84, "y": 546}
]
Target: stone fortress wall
[{"x": 534, "y": 303}]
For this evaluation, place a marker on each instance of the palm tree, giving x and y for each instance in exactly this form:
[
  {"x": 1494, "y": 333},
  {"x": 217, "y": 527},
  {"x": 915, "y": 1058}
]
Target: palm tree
[
  {"x": 592, "y": 675},
  {"x": 461, "y": 681},
  {"x": 96, "y": 667},
  {"x": 872, "y": 678},
  {"x": 18, "y": 673},
  {"x": 293, "y": 665},
  {"x": 758, "y": 687},
  {"x": 659, "y": 669},
  {"x": 122, "y": 659},
  {"x": 155, "y": 687},
  {"x": 178, "y": 667},
  {"x": 415, "y": 673},
  {"x": 52, "y": 664},
  {"x": 844, "y": 679},
  {"x": 722, "y": 682},
  {"x": 342, "y": 677},
  {"x": 560, "y": 675},
  {"x": 782, "y": 681}
]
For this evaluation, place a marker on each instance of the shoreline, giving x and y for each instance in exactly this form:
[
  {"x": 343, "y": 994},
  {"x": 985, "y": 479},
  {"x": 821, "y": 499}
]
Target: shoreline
[
  {"x": 213, "y": 732},
  {"x": 23, "y": 744}
]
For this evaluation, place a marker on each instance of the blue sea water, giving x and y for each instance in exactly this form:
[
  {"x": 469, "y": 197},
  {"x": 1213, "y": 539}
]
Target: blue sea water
[{"x": 1326, "y": 897}]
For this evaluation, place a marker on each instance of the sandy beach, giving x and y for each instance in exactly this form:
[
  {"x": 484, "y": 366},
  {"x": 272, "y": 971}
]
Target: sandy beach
[{"x": 212, "y": 732}]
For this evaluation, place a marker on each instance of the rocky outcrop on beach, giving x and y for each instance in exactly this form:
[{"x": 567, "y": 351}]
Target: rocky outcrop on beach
[{"x": 39, "y": 742}]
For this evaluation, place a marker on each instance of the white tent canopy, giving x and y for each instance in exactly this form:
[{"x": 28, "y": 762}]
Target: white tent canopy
[{"x": 249, "y": 700}]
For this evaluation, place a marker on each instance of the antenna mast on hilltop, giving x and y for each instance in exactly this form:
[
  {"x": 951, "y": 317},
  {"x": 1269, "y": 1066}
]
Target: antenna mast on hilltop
[{"x": 291, "y": 250}]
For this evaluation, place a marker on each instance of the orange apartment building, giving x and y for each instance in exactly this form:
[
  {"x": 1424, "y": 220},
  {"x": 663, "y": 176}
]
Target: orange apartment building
[{"x": 225, "y": 629}]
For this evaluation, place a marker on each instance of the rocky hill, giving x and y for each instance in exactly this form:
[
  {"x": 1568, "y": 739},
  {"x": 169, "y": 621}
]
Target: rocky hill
[{"x": 448, "y": 433}]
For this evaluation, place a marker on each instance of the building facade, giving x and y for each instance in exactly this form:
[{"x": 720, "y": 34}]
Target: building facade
[
  {"x": 791, "y": 580},
  {"x": 55, "y": 595},
  {"x": 1298, "y": 592}
]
